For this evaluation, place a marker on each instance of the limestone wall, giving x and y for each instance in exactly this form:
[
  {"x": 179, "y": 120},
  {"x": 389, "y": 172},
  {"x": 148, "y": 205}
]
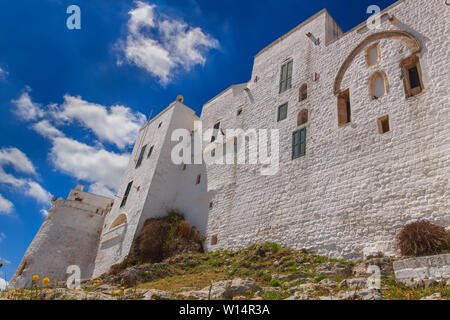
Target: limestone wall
[
  {"x": 355, "y": 188},
  {"x": 69, "y": 236}
]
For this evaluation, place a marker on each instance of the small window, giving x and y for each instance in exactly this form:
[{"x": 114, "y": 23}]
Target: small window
[
  {"x": 373, "y": 55},
  {"x": 211, "y": 205},
  {"x": 141, "y": 156},
  {"x": 199, "y": 179},
  {"x": 344, "y": 110},
  {"x": 127, "y": 193},
  {"x": 282, "y": 112},
  {"x": 378, "y": 85},
  {"x": 239, "y": 111},
  {"x": 299, "y": 143},
  {"x": 213, "y": 153},
  {"x": 383, "y": 124},
  {"x": 150, "y": 152},
  {"x": 214, "y": 240},
  {"x": 216, "y": 131},
  {"x": 302, "y": 117},
  {"x": 303, "y": 94},
  {"x": 412, "y": 76},
  {"x": 184, "y": 167},
  {"x": 286, "y": 76},
  {"x": 160, "y": 124}
]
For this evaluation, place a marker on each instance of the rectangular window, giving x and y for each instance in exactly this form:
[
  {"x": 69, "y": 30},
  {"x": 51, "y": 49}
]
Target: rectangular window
[
  {"x": 344, "y": 109},
  {"x": 282, "y": 112},
  {"x": 141, "y": 156},
  {"x": 384, "y": 125},
  {"x": 199, "y": 179},
  {"x": 286, "y": 76},
  {"x": 127, "y": 193},
  {"x": 412, "y": 76},
  {"x": 150, "y": 152},
  {"x": 299, "y": 143}
]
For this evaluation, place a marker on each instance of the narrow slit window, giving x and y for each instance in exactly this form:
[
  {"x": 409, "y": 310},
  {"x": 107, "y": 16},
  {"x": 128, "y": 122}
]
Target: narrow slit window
[
  {"x": 215, "y": 131},
  {"x": 344, "y": 108},
  {"x": 412, "y": 76},
  {"x": 214, "y": 240},
  {"x": 150, "y": 152},
  {"x": 199, "y": 179},
  {"x": 239, "y": 112},
  {"x": 127, "y": 193},
  {"x": 141, "y": 156}
]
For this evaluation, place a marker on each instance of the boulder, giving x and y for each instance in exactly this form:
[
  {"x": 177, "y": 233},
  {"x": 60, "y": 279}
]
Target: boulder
[{"x": 334, "y": 269}]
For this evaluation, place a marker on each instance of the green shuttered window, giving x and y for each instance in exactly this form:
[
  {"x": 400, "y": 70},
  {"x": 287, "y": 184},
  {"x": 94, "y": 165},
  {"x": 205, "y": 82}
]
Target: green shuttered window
[
  {"x": 282, "y": 112},
  {"x": 299, "y": 143},
  {"x": 286, "y": 76}
]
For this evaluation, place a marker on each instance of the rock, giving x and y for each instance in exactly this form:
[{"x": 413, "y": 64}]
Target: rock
[
  {"x": 157, "y": 295},
  {"x": 308, "y": 287},
  {"x": 328, "y": 283},
  {"x": 298, "y": 296},
  {"x": 239, "y": 298},
  {"x": 435, "y": 296},
  {"x": 384, "y": 263},
  {"x": 428, "y": 283},
  {"x": 224, "y": 290},
  {"x": 366, "y": 294},
  {"x": 354, "y": 283},
  {"x": 288, "y": 277},
  {"x": 329, "y": 298},
  {"x": 294, "y": 282},
  {"x": 334, "y": 269},
  {"x": 276, "y": 263}
]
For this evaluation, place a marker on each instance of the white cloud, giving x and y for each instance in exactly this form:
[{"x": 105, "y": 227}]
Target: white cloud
[
  {"x": 94, "y": 165},
  {"x": 21, "y": 163},
  {"x": 118, "y": 124},
  {"x": 162, "y": 44},
  {"x": 36, "y": 191},
  {"x": 44, "y": 212},
  {"x": 16, "y": 158},
  {"x": 3, "y": 73},
  {"x": 6, "y": 206},
  {"x": 25, "y": 108},
  {"x": 2, "y": 236},
  {"x": 47, "y": 130},
  {"x": 100, "y": 189},
  {"x": 3, "y": 284}
]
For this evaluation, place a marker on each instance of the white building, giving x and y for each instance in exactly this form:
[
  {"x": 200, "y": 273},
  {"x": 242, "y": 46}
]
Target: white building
[{"x": 364, "y": 128}]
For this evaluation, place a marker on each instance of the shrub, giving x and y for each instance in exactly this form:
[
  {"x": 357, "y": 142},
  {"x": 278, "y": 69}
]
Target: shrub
[
  {"x": 275, "y": 283},
  {"x": 423, "y": 238},
  {"x": 150, "y": 243}
]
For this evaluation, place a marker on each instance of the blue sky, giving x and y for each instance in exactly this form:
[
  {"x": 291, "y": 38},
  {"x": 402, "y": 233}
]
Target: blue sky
[{"x": 73, "y": 100}]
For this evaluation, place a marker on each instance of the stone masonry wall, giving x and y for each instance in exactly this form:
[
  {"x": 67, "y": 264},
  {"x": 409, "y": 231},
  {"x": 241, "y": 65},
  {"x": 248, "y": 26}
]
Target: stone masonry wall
[{"x": 354, "y": 189}]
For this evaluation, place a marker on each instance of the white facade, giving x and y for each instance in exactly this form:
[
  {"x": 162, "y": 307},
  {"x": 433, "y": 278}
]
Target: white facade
[
  {"x": 352, "y": 190},
  {"x": 69, "y": 236}
]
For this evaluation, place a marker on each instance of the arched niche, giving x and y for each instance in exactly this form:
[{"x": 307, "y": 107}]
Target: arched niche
[
  {"x": 378, "y": 85},
  {"x": 412, "y": 42},
  {"x": 302, "y": 117},
  {"x": 121, "y": 219}
]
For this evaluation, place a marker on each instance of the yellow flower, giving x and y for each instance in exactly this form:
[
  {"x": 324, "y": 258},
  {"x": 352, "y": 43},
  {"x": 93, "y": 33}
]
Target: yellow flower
[
  {"x": 116, "y": 292},
  {"x": 45, "y": 281},
  {"x": 35, "y": 278},
  {"x": 97, "y": 281},
  {"x": 94, "y": 284},
  {"x": 123, "y": 288},
  {"x": 91, "y": 279}
]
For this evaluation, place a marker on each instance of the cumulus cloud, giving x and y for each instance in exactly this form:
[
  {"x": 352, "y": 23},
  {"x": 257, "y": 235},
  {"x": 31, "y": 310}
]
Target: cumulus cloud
[
  {"x": 25, "y": 108},
  {"x": 46, "y": 129},
  {"x": 2, "y": 237},
  {"x": 102, "y": 168},
  {"x": 161, "y": 44},
  {"x": 3, "y": 73},
  {"x": 29, "y": 187},
  {"x": 118, "y": 124},
  {"x": 6, "y": 206},
  {"x": 3, "y": 284},
  {"x": 16, "y": 158}
]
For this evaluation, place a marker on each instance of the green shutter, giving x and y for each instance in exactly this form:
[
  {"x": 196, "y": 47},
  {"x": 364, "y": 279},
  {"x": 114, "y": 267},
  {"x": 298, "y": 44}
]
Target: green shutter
[
  {"x": 283, "y": 78},
  {"x": 125, "y": 196},
  {"x": 299, "y": 143},
  {"x": 289, "y": 75},
  {"x": 282, "y": 112}
]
